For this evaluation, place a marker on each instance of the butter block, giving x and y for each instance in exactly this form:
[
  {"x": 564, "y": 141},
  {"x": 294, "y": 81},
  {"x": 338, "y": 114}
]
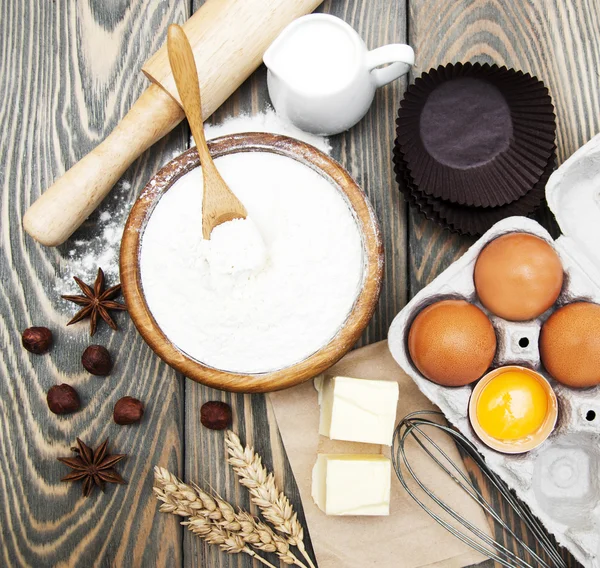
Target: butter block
[
  {"x": 352, "y": 484},
  {"x": 358, "y": 410}
]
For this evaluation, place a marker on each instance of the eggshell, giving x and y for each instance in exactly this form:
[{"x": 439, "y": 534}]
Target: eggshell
[
  {"x": 518, "y": 276},
  {"x": 452, "y": 342},
  {"x": 570, "y": 345},
  {"x": 530, "y": 407},
  {"x": 512, "y": 406}
]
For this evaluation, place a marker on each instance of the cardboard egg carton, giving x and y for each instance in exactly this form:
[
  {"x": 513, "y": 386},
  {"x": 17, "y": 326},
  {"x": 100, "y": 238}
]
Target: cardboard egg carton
[{"x": 559, "y": 480}]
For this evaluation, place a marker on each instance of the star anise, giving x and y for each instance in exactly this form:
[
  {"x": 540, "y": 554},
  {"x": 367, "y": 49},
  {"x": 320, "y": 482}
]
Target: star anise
[
  {"x": 96, "y": 302},
  {"x": 94, "y": 467}
]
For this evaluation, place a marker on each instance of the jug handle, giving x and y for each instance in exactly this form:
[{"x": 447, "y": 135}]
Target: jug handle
[{"x": 401, "y": 57}]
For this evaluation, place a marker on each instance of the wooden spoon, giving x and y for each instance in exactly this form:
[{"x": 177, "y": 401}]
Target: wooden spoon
[{"x": 219, "y": 204}]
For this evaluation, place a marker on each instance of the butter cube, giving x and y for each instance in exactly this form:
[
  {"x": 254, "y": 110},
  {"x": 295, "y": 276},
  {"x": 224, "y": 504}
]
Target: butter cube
[
  {"x": 358, "y": 410},
  {"x": 352, "y": 484}
]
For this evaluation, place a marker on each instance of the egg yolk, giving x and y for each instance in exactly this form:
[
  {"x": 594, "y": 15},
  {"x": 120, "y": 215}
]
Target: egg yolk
[{"x": 512, "y": 406}]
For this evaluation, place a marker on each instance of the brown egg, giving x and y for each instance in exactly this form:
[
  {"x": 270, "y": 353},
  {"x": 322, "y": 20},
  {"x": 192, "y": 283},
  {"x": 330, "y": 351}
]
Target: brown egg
[
  {"x": 570, "y": 345},
  {"x": 452, "y": 342},
  {"x": 518, "y": 276}
]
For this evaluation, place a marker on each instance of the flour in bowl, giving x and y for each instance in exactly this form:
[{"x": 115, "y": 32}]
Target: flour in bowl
[
  {"x": 235, "y": 247},
  {"x": 267, "y": 308}
]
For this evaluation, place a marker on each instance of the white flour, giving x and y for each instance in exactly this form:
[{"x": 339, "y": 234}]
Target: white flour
[
  {"x": 254, "y": 321},
  {"x": 268, "y": 121},
  {"x": 235, "y": 247},
  {"x": 85, "y": 256}
]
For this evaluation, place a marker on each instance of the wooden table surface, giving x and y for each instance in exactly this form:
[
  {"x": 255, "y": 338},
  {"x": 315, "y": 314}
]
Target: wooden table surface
[{"x": 70, "y": 70}]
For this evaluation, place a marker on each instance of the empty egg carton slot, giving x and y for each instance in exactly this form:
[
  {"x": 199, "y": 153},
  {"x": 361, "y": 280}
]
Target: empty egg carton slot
[{"x": 565, "y": 480}]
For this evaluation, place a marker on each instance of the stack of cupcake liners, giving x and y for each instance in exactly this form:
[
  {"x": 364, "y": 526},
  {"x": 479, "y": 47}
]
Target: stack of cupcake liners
[{"x": 475, "y": 144}]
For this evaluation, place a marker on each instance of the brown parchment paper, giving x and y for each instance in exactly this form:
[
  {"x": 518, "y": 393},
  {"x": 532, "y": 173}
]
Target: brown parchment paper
[{"x": 408, "y": 538}]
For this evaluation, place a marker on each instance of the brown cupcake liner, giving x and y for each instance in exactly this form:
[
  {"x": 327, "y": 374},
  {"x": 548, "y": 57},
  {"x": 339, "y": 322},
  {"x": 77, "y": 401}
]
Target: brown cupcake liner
[
  {"x": 414, "y": 198},
  {"x": 464, "y": 220},
  {"x": 477, "y": 220},
  {"x": 476, "y": 135}
]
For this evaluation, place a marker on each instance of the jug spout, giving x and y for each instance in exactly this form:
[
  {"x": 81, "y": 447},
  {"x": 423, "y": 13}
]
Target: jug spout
[{"x": 271, "y": 57}]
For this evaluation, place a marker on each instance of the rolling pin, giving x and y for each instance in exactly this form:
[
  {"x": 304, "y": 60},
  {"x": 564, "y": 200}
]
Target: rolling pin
[{"x": 228, "y": 38}]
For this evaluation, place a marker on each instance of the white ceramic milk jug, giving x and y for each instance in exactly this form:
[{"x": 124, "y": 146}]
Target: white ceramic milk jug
[{"x": 322, "y": 77}]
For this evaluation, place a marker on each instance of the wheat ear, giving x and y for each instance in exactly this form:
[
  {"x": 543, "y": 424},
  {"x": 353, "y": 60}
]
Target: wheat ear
[
  {"x": 227, "y": 540},
  {"x": 274, "y": 505},
  {"x": 204, "y": 510}
]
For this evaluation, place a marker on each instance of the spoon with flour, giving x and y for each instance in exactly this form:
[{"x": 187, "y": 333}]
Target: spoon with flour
[
  {"x": 219, "y": 204},
  {"x": 233, "y": 244}
]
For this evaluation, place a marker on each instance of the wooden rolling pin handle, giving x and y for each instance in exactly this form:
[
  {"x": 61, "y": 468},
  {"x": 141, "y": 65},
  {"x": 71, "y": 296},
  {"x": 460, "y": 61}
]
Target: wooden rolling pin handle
[{"x": 61, "y": 209}]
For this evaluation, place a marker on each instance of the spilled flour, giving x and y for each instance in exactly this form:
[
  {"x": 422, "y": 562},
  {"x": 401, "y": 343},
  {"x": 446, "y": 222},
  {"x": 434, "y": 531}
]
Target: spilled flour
[
  {"x": 268, "y": 121},
  {"x": 85, "y": 256}
]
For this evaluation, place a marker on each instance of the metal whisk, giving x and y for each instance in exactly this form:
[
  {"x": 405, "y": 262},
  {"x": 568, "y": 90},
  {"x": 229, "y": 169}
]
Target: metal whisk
[{"x": 415, "y": 426}]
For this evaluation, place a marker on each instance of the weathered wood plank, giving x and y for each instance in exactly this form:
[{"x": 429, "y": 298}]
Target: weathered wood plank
[
  {"x": 365, "y": 151},
  {"x": 548, "y": 38},
  {"x": 70, "y": 71}
]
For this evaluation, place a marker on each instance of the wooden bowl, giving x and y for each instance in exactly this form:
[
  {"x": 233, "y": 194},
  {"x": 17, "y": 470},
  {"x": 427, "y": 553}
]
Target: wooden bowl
[{"x": 330, "y": 353}]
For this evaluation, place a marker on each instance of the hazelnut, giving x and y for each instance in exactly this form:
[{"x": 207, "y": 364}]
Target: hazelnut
[
  {"x": 37, "y": 340},
  {"x": 97, "y": 360},
  {"x": 128, "y": 410},
  {"x": 215, "y": 415},
  {"x": 63, "y": 399}
]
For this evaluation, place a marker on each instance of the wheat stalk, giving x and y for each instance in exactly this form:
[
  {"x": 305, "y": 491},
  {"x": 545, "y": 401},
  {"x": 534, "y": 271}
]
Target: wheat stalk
[
  {"x": 215, "y": 520},
  {"x": 274, "y": 505}
]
